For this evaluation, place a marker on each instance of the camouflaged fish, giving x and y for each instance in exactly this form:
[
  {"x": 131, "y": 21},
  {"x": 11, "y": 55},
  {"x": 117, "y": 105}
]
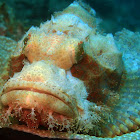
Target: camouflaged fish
[{"x": 66, "y": 80}]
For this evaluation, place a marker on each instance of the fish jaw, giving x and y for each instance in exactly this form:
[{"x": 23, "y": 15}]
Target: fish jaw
[{"x": 35, "y": 101}]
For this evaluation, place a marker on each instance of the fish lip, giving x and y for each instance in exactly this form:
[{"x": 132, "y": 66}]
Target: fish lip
[
  {"x": 30, "y": 130},
  {"x": 35, "y": 87},
  {"x": 34, "y": 90},
  {"x": 60, "y": 95}
]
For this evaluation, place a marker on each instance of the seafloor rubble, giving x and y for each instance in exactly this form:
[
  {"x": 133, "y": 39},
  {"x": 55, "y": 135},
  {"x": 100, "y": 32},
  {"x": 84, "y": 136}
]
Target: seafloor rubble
[{"x": 65, "y": 79}]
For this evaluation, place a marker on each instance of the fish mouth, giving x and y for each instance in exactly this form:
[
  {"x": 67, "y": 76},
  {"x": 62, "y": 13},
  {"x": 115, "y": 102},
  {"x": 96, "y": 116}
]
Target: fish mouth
[
  {"x": 34, "y": 107},
  {"x": 39, "y": 95}
]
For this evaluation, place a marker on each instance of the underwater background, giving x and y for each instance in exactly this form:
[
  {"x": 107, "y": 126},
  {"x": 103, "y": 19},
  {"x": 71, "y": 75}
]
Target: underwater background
[{"x": 17, "y": 16}]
